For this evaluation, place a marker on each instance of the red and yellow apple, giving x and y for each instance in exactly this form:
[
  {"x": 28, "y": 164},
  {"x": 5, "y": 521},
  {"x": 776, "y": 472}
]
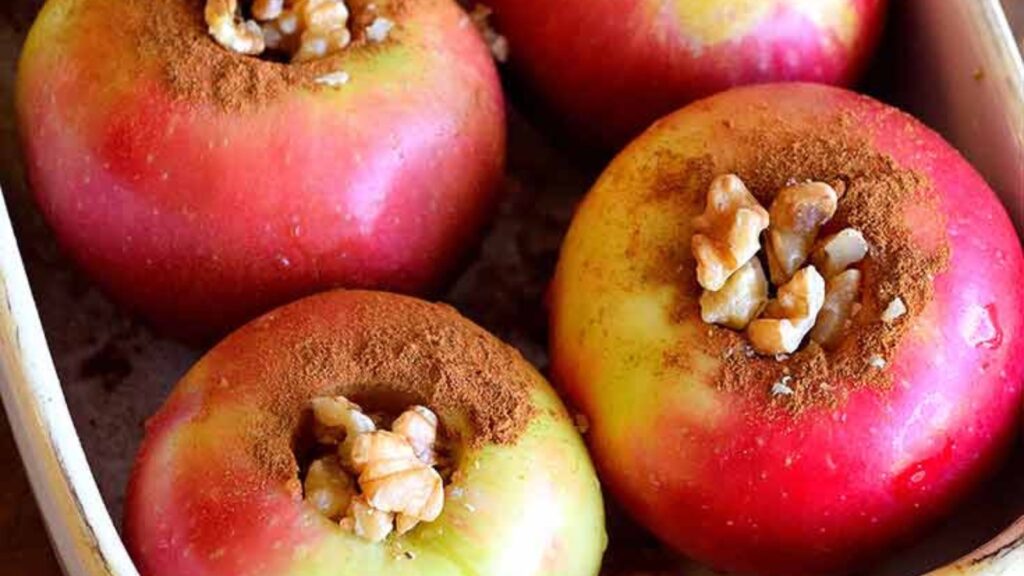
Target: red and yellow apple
[
  {"x": 736, "y": 475},
  {"x": 216, "y": 488},
  {"x": 201, "y": 187},
  {"x": 611, "y": 67}
]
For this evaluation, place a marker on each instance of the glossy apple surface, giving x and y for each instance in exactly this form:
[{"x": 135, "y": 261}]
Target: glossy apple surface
[
  {"x": 216, "y": 491},
  {"x": 609, "y": 68},
  {"x": 719, "y": 473},
  {"x": 200, "y": 215}
]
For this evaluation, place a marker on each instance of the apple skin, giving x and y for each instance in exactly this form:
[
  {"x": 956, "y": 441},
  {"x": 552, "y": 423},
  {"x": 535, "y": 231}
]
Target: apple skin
[
  {"x": 200, "y": 217},
  {"x": 824, "y": 490},
  {"x": 200, "y": 503},
  {"x": 609, "y": 68}
]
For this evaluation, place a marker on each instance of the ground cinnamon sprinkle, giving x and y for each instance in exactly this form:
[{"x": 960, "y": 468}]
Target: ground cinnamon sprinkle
[
  {"x": 197, "y": 70},
  {"x": 416, "y": 353},
  {"x": 875, "y": 192}
]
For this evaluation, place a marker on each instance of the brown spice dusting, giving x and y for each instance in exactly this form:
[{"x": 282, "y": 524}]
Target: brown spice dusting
[
  {"x": 384, "y": 352},
  {"x": 198, "y": 71},
  {"x": 875, "y": 194}
]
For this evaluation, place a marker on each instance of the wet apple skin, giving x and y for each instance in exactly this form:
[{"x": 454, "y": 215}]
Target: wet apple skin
[
  {"x": 200, "y": 217},
  {"x": 830, "y": 488},
  {"x": 609, "y": 68}
]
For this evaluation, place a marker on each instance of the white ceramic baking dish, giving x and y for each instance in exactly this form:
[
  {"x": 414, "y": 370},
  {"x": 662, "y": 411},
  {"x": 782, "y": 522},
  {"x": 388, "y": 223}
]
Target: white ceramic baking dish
[{"x": 953, "y": 63}]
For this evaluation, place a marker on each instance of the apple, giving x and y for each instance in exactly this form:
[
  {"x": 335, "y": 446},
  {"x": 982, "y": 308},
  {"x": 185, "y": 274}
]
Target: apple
[
  {"x": 608, "y": 68},
  {"x": 742, "y": 461},
  {"x": 201, "y": 187},
  {"x": 216, "y": 486}
]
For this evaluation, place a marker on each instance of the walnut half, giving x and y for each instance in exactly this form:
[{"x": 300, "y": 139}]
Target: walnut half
[
  {"x": 739, "y": 301},
  {"x": 727, "y": 234},
  {"x": 841, "y": 293},
  {"x": 788, "y": 318},
  {"x": 380, "y": 481},
  {"x": 797, "y": 214}
]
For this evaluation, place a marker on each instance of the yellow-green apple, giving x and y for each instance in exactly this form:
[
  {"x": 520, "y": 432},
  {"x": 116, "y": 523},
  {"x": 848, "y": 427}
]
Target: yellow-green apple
[
  {"x": 216, "y": 487},
  {"x": 201, "y": 187},
  {"x": 611, "y": 67},
  {"x": 818, "y": 461}
]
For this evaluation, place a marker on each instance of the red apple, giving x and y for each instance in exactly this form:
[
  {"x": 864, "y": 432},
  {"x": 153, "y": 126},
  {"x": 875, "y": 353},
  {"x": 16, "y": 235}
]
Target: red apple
[
  {"x": 611, "y": 67},
  {"x": 201, "y": 187},
  {"x": 693, "y": 433},
  {"x": 216, "y": 487}
]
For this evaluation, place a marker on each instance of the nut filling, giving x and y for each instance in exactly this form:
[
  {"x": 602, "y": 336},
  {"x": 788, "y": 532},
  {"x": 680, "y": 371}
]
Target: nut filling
[
  {"x": 817, "y": 299},
  {"x": 370, "y": 480},
  {"x": 302, "y": 30}
]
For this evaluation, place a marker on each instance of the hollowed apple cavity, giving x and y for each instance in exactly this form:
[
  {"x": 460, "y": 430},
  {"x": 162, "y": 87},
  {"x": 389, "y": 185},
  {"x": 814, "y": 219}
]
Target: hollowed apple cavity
[
  {"x": 296, "y": 30},
  {"x": 376, "y": 472}
]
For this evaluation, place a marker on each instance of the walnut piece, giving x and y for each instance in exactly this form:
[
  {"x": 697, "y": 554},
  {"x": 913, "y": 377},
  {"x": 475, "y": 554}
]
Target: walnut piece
[
  {"x": 419, "y": 426},
  {"x": 379, "y": 29},
  {"x": 797, "y": 214},
  {"x": 230, "y": 30},
  {"x": 788, "y": 318},
  {"x": 338, "y": 420},
  {"x": 894, "y": 310},
  {"x": 396, "y": 487},
  {"x": 366, "y": 521},
  {"x": 738, "y": 302},
  {"x": 726, "y": 236},
  {"x": 841, "y": 293},
  {"x": 328, "y": 488},
  {"x": 306, "y": 29},
  {"x": 839, "y": 251},
  {"x": 394, "y": 479},
  {"x": 267, "y": 9}
]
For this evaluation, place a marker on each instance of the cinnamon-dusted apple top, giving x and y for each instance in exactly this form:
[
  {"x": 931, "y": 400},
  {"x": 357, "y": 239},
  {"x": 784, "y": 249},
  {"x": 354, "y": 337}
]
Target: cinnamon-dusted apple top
[
  {"x": 805, "y": 269},
  {"x": 241, "y": 55},
  {"x": 357, "y": 432}
]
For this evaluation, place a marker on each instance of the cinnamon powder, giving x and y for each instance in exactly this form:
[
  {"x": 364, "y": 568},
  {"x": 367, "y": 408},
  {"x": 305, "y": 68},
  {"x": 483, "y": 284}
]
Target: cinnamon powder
[
  {"x": 173, "y": 34},
  {"x": 875, "y": 193},
  {"x": 384, "y": 352}
]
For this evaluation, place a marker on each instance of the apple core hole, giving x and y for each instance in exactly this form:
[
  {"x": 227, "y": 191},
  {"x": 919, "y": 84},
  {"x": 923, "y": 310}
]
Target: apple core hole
[
  {"x": 375, "y": 462},
  {"x": 383, "y": 407},
  {"x": 296, "y": 31}
]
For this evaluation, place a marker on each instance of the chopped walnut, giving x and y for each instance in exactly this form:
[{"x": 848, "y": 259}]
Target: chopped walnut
[
  {"x": 333, "y": 79},
  {"x": 328, "y": 488},
  {"x": 839, "y": 251},
  {"x": 419, "y": 426},
  {"x": 267, "y": 9},
  {"x": 788, "y": 318},
  {"x": 797, "y": 214},
  {"x": 894, "y": 310},
  {"x": 306, "y": 29},
  {"x": 338, "y": 420},
  {"x": 394, "y": 479},
  {"x": 230, "y": 30},
  {"x": 396, "y": 487},
  {"x": 367, "y": 522},
  {"x": 379, "y": 29},
  {"x": 727, "y": 234},
  {"x": 738, "y": 302},
  {"x": 841, "y": 293}
]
